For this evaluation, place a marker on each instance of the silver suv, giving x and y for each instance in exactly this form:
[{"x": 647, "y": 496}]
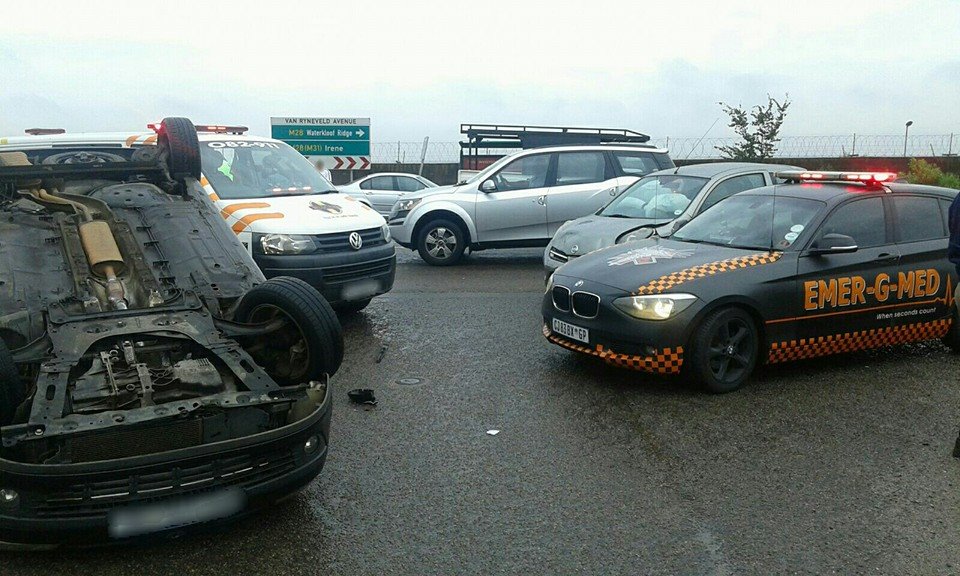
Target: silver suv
[{"x": 520, "y": 200}]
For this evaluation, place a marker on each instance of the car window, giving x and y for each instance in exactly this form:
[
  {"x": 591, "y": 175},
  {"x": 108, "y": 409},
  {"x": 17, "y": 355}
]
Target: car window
[
  {"x": 862, "y": 220},
  {"x": 580, "y": 168},
  {"x": 636, "y": 163},
  {"x": 918, "y": 218},
  {"x": 256, "y": 169},
  {"x": 732, "y": 186},
  {"x": 366, "y": 185},
  {"x": 661, "y": 197},
  {"x": 753, "y": 221},
  {"x": 382, "y": 183},
  {"x": 945, "y": 212},
  {"x": 523, "y": 173},
  {"x": 409, "y": 184}
]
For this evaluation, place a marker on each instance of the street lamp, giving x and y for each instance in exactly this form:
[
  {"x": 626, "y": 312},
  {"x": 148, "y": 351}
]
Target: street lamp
[{"x": 906, "y": 132}]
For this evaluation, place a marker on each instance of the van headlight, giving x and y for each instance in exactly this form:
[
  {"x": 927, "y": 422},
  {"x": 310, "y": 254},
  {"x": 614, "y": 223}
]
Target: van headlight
[
  {"x": 655, "y": 307},
  {"x": 386, "y": 232},
  {"x": 286, "y": 244}
]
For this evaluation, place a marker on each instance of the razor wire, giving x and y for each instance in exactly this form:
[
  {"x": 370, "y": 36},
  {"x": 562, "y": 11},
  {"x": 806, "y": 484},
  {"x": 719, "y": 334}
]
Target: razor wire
[{"x": 853, "y": 145}]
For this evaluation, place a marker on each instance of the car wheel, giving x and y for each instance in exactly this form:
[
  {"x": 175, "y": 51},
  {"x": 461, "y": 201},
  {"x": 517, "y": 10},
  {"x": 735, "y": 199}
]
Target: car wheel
[
  {"x": 352, "y": 307},
  {"x": 12, "y": 390},
  {"x": 178, "y": 138},
  {"x": 724, "y": 351},
  {"x": 310, "y": 345},
  {"x": 441, "y": 243}
]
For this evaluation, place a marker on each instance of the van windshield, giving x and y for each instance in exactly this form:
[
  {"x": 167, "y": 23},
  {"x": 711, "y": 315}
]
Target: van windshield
[{"x": 258, "y": 169}]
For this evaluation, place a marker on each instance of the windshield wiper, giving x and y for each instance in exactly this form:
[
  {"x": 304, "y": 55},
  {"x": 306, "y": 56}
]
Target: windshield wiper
[{"x": 618, "y": 215}]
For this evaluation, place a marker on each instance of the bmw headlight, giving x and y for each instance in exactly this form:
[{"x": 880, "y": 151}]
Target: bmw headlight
[
  {"x": 386, "y": 232},
  {"x": 286, "y": 244},
  {"x": 406, "y": 205},
  {"x": 655, "y": 306}
]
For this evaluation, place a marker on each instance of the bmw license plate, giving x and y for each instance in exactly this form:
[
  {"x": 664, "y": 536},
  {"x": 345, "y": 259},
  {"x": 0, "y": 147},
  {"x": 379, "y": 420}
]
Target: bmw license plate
[{"x": 571, "y": 331}]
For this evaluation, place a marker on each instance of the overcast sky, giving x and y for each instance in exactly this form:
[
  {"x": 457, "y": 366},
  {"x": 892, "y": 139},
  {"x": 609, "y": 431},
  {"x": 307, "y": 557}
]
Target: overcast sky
[{"x": 421, "y": 68}]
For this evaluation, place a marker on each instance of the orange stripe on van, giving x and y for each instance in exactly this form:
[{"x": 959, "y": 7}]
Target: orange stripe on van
[
  {"x": 204, "y": 181},
  {"x": 150, "y": 139},
  {"x": 228, "y": 210},
  {"x": 129, "y": 141},
  {"x": 242, "y": 224}
]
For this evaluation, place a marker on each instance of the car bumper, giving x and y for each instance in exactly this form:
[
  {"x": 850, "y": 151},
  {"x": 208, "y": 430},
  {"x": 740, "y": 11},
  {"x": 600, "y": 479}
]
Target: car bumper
[
  {"x": 85, "y": 505},
  {"x": 340, "y": 276},
  {"x": 619, "y": 340},
  {"x": 400, "y": 232}
]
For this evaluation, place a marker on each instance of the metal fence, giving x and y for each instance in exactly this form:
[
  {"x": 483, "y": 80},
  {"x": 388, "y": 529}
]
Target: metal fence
[{"x": 884, "y": 145}]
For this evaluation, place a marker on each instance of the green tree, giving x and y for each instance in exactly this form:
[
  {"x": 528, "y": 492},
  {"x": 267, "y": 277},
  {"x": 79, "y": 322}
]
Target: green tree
[{"x": 758, "y": 129}]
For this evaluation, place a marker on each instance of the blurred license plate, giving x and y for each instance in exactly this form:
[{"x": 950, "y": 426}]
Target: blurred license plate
[
  {"x": 571, "y": 331},
  {"x": 174, "y": 513}
]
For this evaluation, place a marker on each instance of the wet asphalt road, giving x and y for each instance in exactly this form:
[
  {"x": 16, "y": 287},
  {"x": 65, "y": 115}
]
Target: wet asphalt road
[{"x": 831, "y": 466}]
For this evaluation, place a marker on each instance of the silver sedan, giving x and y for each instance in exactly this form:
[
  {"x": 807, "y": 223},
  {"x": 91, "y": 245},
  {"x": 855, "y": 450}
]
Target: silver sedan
[
  {"x": 382, "y": 190},
  {"x": 666, "y": 200}
]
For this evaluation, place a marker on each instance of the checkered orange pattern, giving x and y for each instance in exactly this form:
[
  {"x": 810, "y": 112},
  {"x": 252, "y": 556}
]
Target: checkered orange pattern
[
  {"x": 666, "y": 361},
  {"x": 664, "y": 283},
  {"x": 853, "y": 341}
]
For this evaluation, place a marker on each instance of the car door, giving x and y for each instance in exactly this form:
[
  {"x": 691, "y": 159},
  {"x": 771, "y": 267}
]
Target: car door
[
  {"x": 511, "y": 204},
  {"x": 844, "y": 296},
  {"x": 583, "y": 183},
  {"x": 382, "y": 192},
  {"x": 926, "y": 279}
]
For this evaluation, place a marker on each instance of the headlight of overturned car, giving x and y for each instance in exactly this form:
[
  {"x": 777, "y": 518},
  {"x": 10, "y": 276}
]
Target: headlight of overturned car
[
  {"x": 286, "y": 244},
  {"x": 655, "y": 306}
]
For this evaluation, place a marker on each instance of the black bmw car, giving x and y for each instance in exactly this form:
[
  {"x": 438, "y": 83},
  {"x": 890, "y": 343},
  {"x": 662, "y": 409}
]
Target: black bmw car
[{"x": 826, "y": 263}]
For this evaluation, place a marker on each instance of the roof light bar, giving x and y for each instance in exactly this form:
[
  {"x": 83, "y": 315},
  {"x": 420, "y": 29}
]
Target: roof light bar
[
  {"x": 218, "y": 129},
  {"x": 213, "y": 128},
  {"x": 44, "y": 131},
  {"x": 812, "y": 176}
]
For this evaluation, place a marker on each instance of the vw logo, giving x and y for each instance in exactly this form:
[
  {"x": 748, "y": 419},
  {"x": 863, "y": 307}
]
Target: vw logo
[
  {"x": 356, "y": 241},
  {"x": 574, "y": 249},
  {"x": 578, "y": 284}
]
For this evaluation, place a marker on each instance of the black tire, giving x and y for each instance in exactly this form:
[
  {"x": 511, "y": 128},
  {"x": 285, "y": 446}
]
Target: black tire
[
  {"x": 724, "y": 350},
  {"x": 436, "y": 236},
  {"x": 178, "y": 138},
  {"x": 313, "y": 323},
  {"x": 352, "y": 307},
  {"x": 12, "y": 390}
]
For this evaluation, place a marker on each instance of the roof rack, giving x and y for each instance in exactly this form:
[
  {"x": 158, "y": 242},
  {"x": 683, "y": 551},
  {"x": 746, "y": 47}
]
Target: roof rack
[{"x": 512, "y": 136}]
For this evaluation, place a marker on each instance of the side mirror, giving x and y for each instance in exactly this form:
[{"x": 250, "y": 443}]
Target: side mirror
[
  {"x": 833, "y": 244},
  {"x": 488, "y": 186}
]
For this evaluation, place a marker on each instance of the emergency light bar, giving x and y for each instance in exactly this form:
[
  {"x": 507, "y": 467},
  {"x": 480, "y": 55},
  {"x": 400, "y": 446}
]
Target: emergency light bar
[
  {"x": 44, "y": 131},
  {"x": 864, "y": 177},
  {"x": 216, "y": 129},
  {"x": 221, "y": 129}
]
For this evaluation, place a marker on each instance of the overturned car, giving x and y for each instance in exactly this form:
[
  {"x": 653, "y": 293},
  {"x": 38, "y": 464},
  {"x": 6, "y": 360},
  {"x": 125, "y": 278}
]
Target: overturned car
[{"x": 151, "y": 379}]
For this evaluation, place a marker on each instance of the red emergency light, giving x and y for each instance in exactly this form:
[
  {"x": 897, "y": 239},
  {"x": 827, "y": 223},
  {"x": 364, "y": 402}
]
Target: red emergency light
[{"x": 864, "y": 177}]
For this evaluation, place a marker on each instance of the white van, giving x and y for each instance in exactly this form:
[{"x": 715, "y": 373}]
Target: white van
[{"x": 290, "y": 218}]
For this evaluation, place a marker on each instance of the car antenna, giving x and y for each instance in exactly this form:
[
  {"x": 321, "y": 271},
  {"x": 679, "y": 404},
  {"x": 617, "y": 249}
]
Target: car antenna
[{"x": 697, "y": 143}]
